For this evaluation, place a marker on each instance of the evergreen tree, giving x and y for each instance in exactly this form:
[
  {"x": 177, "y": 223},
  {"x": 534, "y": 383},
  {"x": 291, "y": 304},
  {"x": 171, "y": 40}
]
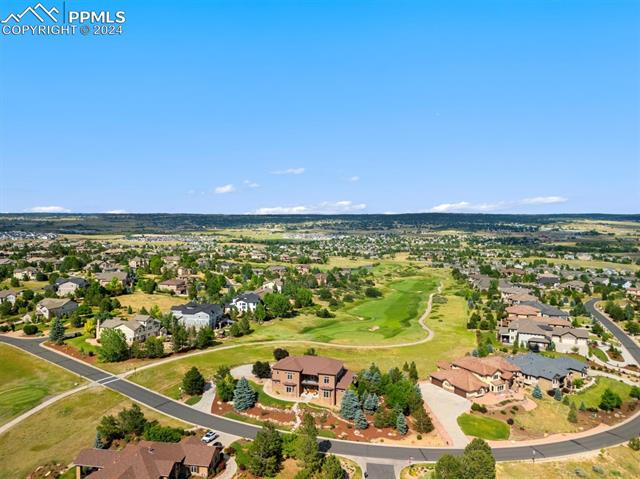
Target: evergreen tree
[
  {"x": 371, "y": 403},
  {"x": 583, "y": 406},
  {"x": 421, "y": 421},
  {"x": 349, "y": 405},
  {"x": 97, "y": 443},
  {"x": 204, "y": 338},
  {"x": 401, "y": 424},
  {"x": 413, "y": 372},
  {"x": 359, "y": 420},
  {"x": 610, "y": 400},
  {"x": 537, "y": 392},
  {"x": 179, "y": 338},
  {"x": 331, "y": 468},
  {"x": 56, "y": 332},
  {"x": 448, "y": 467},
  {"x": 193, "y": 382},
  {"x": 243, "y": 397},
  {"x": 265, "y": 452},
  {"x": 307, "y": 450},
  {"x": 557, "y": 395},
  {"x": 573, "y": 414}
]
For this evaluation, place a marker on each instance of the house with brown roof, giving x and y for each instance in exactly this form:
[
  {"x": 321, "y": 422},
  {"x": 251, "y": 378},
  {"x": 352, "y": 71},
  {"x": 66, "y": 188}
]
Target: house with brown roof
[
  {"x": 311, "y": 377},
  {"x": 471, "y": 377},
  {"x": 175, "y": 286},
  {"x": 149, "y": 460}
]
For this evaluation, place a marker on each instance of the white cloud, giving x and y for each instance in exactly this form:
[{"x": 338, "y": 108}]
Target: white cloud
[
  {"x": 486, "y": 207},
  {"x": 117, "y": 212},
  {"x": 289, "y": 171},
  {"x": 49, "y": 209},
  {"x": 353, "y": 179},
  {"x": 251, "y": 184},
  {"x": 224, "y": 189},
  {"x": 466, "y": 206},
  {"x": 544, "y": 200},
  {"x": 325, "y": 207}
]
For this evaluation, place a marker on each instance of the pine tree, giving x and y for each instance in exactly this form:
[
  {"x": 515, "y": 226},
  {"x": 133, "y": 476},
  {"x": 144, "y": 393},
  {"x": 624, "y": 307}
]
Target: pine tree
[
  {"x": 331, "y": 468},
  {"x": 98, "y": 444},
  {"x": 193, "y": 382},
  {"x": 371, "y": 403},
  {"x": 583, "y": 406},
  {"x": 56, "y": 333},
  {"x": 421, "y": 421},
  {"x": 359, "y": 420},
  {"x": 557, "y": 395},
  {"x": 307, "y": 451},
  {"x": 243, "y": 397},
  {"x": 413, "y": 372},
  {"x": 265, "y": 452},
  {"x": 573, "y": 415},
  {"x": 401, "y": 424},
  {"x": 349, "y": 405},
  {"x": 537, "y": 392}
]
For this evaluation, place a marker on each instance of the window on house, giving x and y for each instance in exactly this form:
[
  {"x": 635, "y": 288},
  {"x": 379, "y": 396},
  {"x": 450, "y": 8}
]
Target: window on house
[
  {"x": 326, "y": 394},
  {"x": 194, "y": 468},
  {"x": 326, "y": 379},
  {"x": 289, "y": 389},
  {"x": 289, "y": 376}
]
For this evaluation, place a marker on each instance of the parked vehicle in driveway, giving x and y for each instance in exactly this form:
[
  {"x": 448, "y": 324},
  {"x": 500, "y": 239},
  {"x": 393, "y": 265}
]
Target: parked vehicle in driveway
[{"x": 209, "y": 437}]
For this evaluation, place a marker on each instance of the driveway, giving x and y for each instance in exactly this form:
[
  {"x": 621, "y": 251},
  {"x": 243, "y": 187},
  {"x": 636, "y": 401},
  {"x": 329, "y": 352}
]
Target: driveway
[{"x": 446, "y": 407}]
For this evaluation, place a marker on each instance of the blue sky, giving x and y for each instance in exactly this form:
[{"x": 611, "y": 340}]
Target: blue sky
[{"x": 327, "y": 106}]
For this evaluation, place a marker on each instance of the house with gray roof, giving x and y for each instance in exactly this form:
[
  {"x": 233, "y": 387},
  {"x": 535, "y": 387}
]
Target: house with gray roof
[
  {"x": 540, "y": 335},
  {"x": 549, "y": 373},
  {"x": 198, "y": 316}
]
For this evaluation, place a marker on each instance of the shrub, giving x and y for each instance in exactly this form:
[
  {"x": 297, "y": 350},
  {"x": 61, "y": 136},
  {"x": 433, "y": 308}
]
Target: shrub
[
  {"x": 261, "y": 369},
  {"x": 280, "y": 353},
  {"x": 635, "y": 443},
  {"x": 193, "y": 382},
  {"x": 30, "y": 329},
  {"x": 510, "y": 421},
  {"x": 478, "y": 407},
  {"x": 610, "y": 400}
]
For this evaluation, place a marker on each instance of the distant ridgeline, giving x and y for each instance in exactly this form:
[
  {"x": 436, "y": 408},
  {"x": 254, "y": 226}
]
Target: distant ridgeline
[{"x": 163, "y": 223}]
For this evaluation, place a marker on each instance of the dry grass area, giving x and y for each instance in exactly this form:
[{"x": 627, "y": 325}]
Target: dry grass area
[
  {"x": 621, "y": 462},
  {"x": 138, "y": 299},
  {"x": 59, "y": 432}
]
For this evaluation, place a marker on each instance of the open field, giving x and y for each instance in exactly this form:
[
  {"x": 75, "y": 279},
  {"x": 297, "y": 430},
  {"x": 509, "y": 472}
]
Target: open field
[
  {"x": 26, "y": 381},
  {"x": 58, "y": 432},
  {"x": 138, "y": 299},
  {"x": 592, "y": 395},
  {"x": 390, "y": 319},
  {"x": 483, "y": 427},
  {"x": 621, "y": 462},
  {"x": 447, "y": 321}
]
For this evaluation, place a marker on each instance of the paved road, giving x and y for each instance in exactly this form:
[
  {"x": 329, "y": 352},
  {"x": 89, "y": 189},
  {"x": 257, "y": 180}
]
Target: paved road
[
  {"x": 369, "y": 452},
  {"x": 620, "y": 335}
]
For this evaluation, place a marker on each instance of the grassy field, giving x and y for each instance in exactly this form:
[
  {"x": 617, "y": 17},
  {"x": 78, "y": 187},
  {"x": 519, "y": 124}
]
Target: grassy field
[
  {"x": 549, "y": 417},
  {"x": 80, "y": 343},
  {"x": 483, "y": 427},
  {"x": 448, "y": 322},
  {"x": 620, "y": 462},
  {"x": 591, "y": 396},
  {"x": 138, "y": 299},
  {"x": 390, "y": 319},
  {"x": 26, "y": 381},
  {"x": 266, "y": 400},
  {"x": 60, "y": 431}
]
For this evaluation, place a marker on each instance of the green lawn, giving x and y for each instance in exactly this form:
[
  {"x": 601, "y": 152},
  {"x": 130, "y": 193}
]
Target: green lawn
[
  {"x": 591, "y": 396},
  {"x": 451, "y": 340},
  {"x": 483, "y": 427},
  {"x": 599, "y": 353},
  {"x": 266, "y": 400},
  {"x": 80, "y": 343},
  {"x": 390, "y": 319},
  {"x": 58, "y": 432},
  {"x": 26, "y": 381}
]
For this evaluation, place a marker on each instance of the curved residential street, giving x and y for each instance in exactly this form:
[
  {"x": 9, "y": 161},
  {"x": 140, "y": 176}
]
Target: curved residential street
[{"x": 370, "y": 453}]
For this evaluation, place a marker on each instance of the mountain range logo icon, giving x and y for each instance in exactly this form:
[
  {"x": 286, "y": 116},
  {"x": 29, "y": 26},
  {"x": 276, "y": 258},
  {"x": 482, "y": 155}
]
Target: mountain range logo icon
[{"x": 38, "y": 11}]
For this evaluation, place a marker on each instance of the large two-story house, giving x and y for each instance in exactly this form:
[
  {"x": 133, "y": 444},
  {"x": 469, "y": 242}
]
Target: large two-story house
[
  {"x": 539, "y": 334},
  {"x": 471, "y": 377},
  {"x": 138, "y": 328},
  {"x": 198, "y": 316},
  {"x": 312, "y": 377}
]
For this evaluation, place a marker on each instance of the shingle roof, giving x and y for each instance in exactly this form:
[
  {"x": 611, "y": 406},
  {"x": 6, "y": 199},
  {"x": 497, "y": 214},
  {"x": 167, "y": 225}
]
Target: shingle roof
[
  {"x": 195, "y": 308},
  {"x": 460, "y": 379},
  {"x": 313, "y": 365},
  {"x": 540, "y": 366}
]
